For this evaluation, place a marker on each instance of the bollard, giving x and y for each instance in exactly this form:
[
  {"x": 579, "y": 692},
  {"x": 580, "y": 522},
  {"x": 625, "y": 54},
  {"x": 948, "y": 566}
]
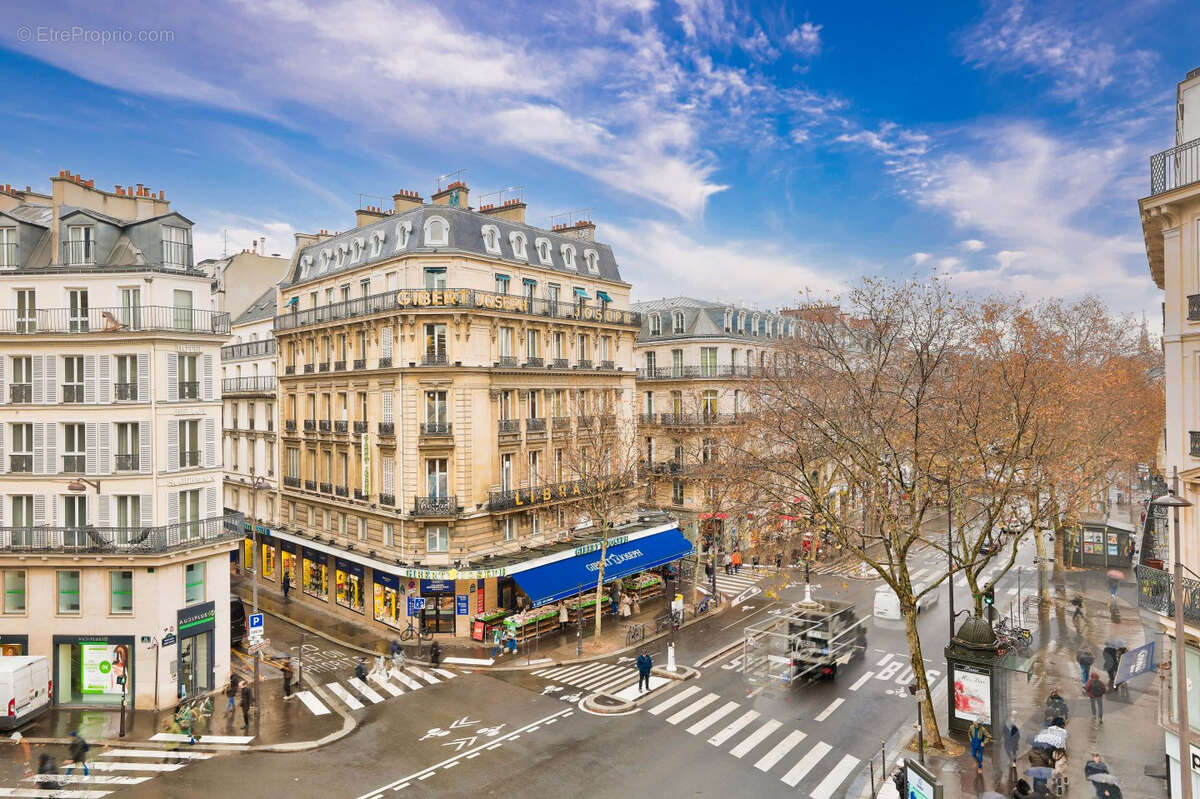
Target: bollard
[
  {"x": 671, "y": 657},
  {"x": 872, "y": 778}
]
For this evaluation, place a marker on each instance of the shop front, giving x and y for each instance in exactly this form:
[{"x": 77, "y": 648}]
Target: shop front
[
  {"x": 287, "y": 562},
  {"x": 93, "y": 670},
  {"x": 348, "y": 584},
  {"x": 196, "y": 626},
  {"x": 14, "y": 645},
  {"x": 314, "y": 579},
  {"x": 438, "y": 614},
  {"x": 389, "y": 599}
]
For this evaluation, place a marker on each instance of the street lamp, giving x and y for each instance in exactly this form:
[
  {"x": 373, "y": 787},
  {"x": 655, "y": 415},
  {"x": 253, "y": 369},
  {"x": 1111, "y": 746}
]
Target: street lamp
[
  {"x": 82, "y": 483},
  {"x": 256, "y": 482},
  {"x": 1172, "y": 500}
]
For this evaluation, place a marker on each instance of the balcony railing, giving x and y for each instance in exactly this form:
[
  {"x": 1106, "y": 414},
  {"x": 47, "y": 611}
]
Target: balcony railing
[
  {"x": 535, "y": 425},
  {"x": 387, "y": 499},
  {"x": 455, "y": 299},
  {"x": 1176, "y": 167},
  {"x": 308, "y": 368},
  {"x": 9, "y": 255},
  {"x": 387, "y": 429},
  {"x": 694, "y": 372},
  {"x": 1155, "y": 593},
  {"x": 385, "y": 363},
  {"x": 508, "y": 361},
  {"x": 1193, "y": 309},
  {"x": 323, "y": 425},
  {"x": 583, "y": 363},
  {"x": 130, "y": 540},
  {"x": 127, "y": 463},
  {"x": 248, "y": 349},
  {"x": 74, "y": 464},
  {"x": 20, "y": 463},
  {"x": 341, "y": 491},
  {"x": 323, "y": 366},
  {"x": 326, "y": 488},
  {"x": 310, "y": 485},
  {"x": 76, "y": 253},
  {"x": 553, "y": 492},
  {"x": 647, "y": 418},
  {"x": 114, "y": 319},
  {"x": 360, "y": 363},
  {"x": 606, "y": 364},
  {"x": 310, "y": 425},
  {"x": 289, "y": 425},
  {"x": 434, "y": 359},
  {"x": 508, "y": 426},
  {"x": 435, "y": 506},
  {"x": 72, "y": 392},
  {"x": 360, "y": 428},
  {"x": 560, "y": 363},
  {"x": 188, "y": 458},
  {"x": 290, "y": 369},
  {"x": 561, "y": 423},
  {"x": 260, "y": 384},
  {"x": 662, "y": 467},
  {"x": 534, "y": 363},
  {"x": 126, "y": 392},
  {"x": 696, "y": 419},
  {"x": 1194, "y": 443},
  {"x": 187, "y": 390},
  {"x": 341, "y": 426},
  {"x": 291, "y": 482},
  {"x": 339, "y": 366},
  {"x": 20, "y": 392},
  {"x": 360, "y": 495},
  {"x": 436, "y": 428}
]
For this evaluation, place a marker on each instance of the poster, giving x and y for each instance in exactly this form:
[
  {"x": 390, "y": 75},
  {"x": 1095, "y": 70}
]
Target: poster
[
  {"x": 972, "y": 696},
  {"x": 99, "y": 667}
]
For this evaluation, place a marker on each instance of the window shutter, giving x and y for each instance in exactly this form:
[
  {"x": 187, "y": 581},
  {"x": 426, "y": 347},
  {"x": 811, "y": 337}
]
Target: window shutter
[
  {"x": 89, "y": 379},
  {"x": 51, "y": 447},
  {"x": 50, "y": 378},
  {"x": 52, "y": 503},
  {"x": 91, "y": 448},
  {"x": 39, "y": 510},
  {"x": 105, "y": 465},
  {"x": 38, "y": 392},
  {"x": 206, "y": 377},
  {"x": 39, "y": 448},
  {"x": 3, "y": 502},
  {"x": 3, "y": 388},
  {"x": 102, "y": 511},
  {"x": 173, "y": 507},
  {"x": 387, "y": 406},
  {"x": 385, "y": 342},
  {"x": 143, "y": 447},
  {"x": 147, "y": 503},
  {"x": 3, "y": 460},
  {"x": 210, "y": 442},
  {"x": 104, "y": 376},
  {"x": 143, "y": 367},
  {"x": 210, "y": 502},
  {"x": 172, "y": 377},
  {"x": 172, "y": 445}
]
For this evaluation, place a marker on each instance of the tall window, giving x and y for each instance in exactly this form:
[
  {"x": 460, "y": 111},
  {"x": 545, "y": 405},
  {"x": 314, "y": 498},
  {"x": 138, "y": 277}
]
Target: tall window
[
  {"x": 533, "y": 344},
  {"x": 651, "y": 363},
  {"x": 183, "y": 309},
  {"x": 560, "y": 346},
  {"x": 509, "y": 526},
  {"x": 506, "y": 472},
  {"x": 293, "y": 463},
  {"x": 677, "y": 322},
  {"x": 189, "y": 376},
  {"x": 708, "y": 361},
  {"x": 127, "y": 378},
  {"x": 21, "y": 457},
  {"x": 75, "y": 511},
  {"x": 120, "y": 592},
  {"x": 506, "y": 342},
  {"x": 74, "y": 452},
  {"x": 649, "y": 407},
  {"x": 655, "y": 325},
  {"x": 26, "y": 310},
  {"x": 177, "y": 249},
  {"x": 193, "y": 583},
  {"x": 435, "y": 278},
  {"x": 435, "y": 407},
  {"x": 535, "y": 403},
  {"x": 436, "y": 477},
  {"x": 606, "y": 348},
  {"x": 558, "y": 402},
  {"x": 129, "y": 511},
  {"x": 68, "y": 592},
  {"x": 552, "y": 293},
  {"x": 22, "y": 379},
  {"x": 506, "y": 404},
  {"x": 535, "y": 467},
  {"x": 677, "y": 492},
  {"x": 584, "y": 350},
  {"x": 72, "y": 387},
  {"x": 8, "y": 246},
  {"x": 677, "y": 362},
  {"x": 437, "y": 539},
  {"x": 528, "y": 287},
  {"x": 435, "y": 343},
  {"x": 189, "y": 443},
  {"x": 501, "y": 284},
  {"x": 81, "y": 245},
  {"x": 77, "y": 301}
]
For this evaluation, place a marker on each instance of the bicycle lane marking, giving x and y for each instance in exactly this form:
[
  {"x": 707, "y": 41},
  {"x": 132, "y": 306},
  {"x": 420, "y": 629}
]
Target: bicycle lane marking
[{"x": 429, "y": 771}]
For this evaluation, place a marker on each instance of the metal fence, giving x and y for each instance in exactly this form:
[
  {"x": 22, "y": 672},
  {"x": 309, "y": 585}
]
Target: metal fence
[
  {"x": 1176, "y": 167},
  {"x": 130, "y": 540},
  {"x": 113, "y": 319},
  {"x": 1155, "y": 593}
]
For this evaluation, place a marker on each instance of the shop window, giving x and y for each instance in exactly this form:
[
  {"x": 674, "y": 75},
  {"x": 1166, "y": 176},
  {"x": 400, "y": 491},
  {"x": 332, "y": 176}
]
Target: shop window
[
  {"x": 437, "y": 539},
  {"x": 348, "y": 580},
  {"x": 14, "y": 591},
  {"x": 120, "y": 592},
  {"x": 387, "y": 600},
  {"x": 316, "y": 576},
  {"x": 287, "y": 561},
  {"x": 193, "y": 583},
  {"x": 68, "y": 593},
  {"x": 268, "y": 561}
]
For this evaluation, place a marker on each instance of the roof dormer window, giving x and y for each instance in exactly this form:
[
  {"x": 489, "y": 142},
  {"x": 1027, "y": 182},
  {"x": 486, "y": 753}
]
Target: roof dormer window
[
  {"x": 543, "y": 250},
  {"x": 358, "y": 246},
  {"x": 728, "y": 321},
  {"x": 306, "y": 263},
  {"x": 377, "y": 239},
  {"x": 326, "y": 257},
  {"x": 437, "y": 232},
  {"x": 517, "y": 240},
  {"x": 592, "y": 259},
  {"x": 403, "y": 234},
  {"x": 655, "y": 325},
  {"x": 741, "y": 323},
  {"x": 80, "y": 245},
  {"x": 677, "y": 322},
  {"x": 341, "y": 254},
  {"x": 568, "y": 256},
  {"x": 755, "y": 329},
  {"x": 491, "y": 239}
]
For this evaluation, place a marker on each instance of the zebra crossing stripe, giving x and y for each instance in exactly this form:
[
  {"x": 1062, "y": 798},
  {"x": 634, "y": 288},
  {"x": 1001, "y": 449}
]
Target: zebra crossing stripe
[
  {"x": 835, "y": 777},
  {"x": 115, "y": 765},
  {"x": 405, "y": 680},
  {"x": 624, "y": 678},
  {"x": 618, "y": 673},
  {"x": 859, "y": 682},
  {"x": 827, "y": 712},
  {"x": 312, "y": 703},
  {"x": 597, "y": 676},
  {"x": 449, "y": 675},
  {"x": 91, "y": 779},
  {"x": 384, "y": 684},
  {"x": 734, "y": 727},
  {"x": 344, "y": 695},
  {"x": 178, "y": 737},
  {"x": 805, "y": 764},
  {"x": 670, "y": 702},
  {"x": 424, "y": 675},
  {"x": 755, "y": 738},
  {"x": 693, "y": 708},
  {"x": 767, "y": 761},
  {"x": 176, "y": 755},
  {"x": 366, "y": 690},
  {"x": 576, "y": 672},
  {"x": 712, "y": 718},
  {"x": 44, "y": 793}
]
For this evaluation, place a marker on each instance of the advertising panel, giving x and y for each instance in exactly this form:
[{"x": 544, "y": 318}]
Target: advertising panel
[
  {"x": 972, "y": 695},
  {"x": 100, "y": 666}
]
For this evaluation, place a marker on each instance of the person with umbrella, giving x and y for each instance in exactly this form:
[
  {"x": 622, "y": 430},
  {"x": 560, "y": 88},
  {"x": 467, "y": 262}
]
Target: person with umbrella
[
  {"x": 1106, "y": 786},
  {"x": 1085, "y": 657},
  {"x": 1094, "y": 766},
  {"x": 1115, "y": 576}
]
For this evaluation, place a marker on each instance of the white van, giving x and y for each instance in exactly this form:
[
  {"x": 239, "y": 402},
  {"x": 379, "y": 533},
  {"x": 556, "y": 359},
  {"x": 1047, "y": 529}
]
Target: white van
[
  {"x": 887, "y": 604},
  {"x": 25, "y": 689}
]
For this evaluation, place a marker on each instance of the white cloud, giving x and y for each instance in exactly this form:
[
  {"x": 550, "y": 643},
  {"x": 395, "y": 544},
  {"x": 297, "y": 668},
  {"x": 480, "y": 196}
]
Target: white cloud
[
  {"x": 972, "y": 245},
  {"x": 919, "y": 258},
  {"x": 217, "y": 233},
  {"x": 805, "y": 40},
  {"x": 948, "y": 263}
]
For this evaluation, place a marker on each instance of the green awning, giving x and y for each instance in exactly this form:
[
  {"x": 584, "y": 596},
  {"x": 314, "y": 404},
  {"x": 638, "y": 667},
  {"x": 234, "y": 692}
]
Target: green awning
[{"x": 603, "y": 296}]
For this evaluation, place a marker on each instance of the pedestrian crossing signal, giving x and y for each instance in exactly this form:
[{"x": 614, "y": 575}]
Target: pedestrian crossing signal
[{"x": 989, "y": 597}]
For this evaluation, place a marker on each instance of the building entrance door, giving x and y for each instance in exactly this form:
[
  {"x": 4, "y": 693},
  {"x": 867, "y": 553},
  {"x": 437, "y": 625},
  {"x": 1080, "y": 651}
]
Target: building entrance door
[{"x": 438, "y": 615}]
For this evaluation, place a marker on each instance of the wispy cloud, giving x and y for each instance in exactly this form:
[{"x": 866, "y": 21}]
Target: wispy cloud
[
  {"x": 972, "y": 245},
  {"x": 919, "y": 258},
  {"x": 805, "y": 40}
]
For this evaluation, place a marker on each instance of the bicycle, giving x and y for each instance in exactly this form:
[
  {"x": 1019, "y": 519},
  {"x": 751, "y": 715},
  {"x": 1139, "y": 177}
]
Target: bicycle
[
  {"x": 634, "y": 633},
  {"x": 412, "y": 631},
  {"x": 703, "y": 606}
]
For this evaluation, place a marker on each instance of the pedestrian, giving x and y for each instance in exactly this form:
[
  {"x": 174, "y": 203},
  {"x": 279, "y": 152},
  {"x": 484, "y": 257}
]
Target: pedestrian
[
  {"x": 900, "y": 780},
  {"x": 754, "y": 561},
  {"x": 397, "y": 654},
  {"x": 1077, "y": 602},
  {"x": 1094, "y": 766},
  {"x": 737, "y": 561},
  {"x": 626, "y": 609},
  {"x": 1109, "y": 655},
  {"x": 360, "y": 668},
  {"x": 231, "y": 693},
  {"x": 727, "y": 560},
  {"x": 979, "y": 737},
  {"x": 1113, "y": 584},
  {"x": 562, "y": 617},
  {"x": 1021, "y": 790},
  {"x": 46, "y": 765},
  {"x": 634, "y": 605},
  {"x": 26, "y": 756},
  {"x": 1085, "y": 657},
  {"x": 708, "y": 571},
  {"x": 498, "y": 641},
  {"x": 186, "y": 718},
  {"x": 778, "y": 560},
  {"x": 435, "y": 654},
  {"x": 287, "y": 585},
  {"x": 510, "y": 638},
  {"x": 78, "y": 753},
  {"x": 1095, "y": 691},
  {"x": 247, "y": 701},
  {"x": 644, "y": 664},
  {"x": 288, "y": 674},
  {"x": 1056, "y": 711},
  {"x": 1012, "y": 738}
]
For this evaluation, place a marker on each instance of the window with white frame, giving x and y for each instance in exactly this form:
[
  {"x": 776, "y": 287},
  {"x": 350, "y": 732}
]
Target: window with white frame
[
  {"x": 8, "y": 246},
  {"x": 74, "y": 457},
  {"x": 509, "y": 526},
  {"x": 533, "y": 344},
  {"x": 437, "y": 477},
  {"x": 502, "y": 284},
  {"x": 491, "y": 239},
  {"x": 506, "y": 342},
  {"x": 81, "y": 245},
  {"x": 655, "y": 325},
  {"x": 568, "y": 256},
  {"x": 435, "y": 277},
  {"x": 592, "y": 259},
  {"x": 437, "y": 232},
  {"x": 377, "y": 239},
  {"x": 517, "y": 240},
  {"x": 677, "y": 322},
  {"x": 72, "y": 385},
  {"x": 437, "y": 539},
  {"x": 21, "y": 453},
  {"x": 543, "y": 250},
  {"x": 506, "y": 472},
  {"x": 651, "y": 363},
  {"x": 176, "y": 247}
]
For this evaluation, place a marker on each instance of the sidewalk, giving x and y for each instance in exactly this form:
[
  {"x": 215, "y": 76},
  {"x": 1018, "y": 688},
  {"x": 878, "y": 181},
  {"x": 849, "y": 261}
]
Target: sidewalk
[{"x": 1129, "y": 739}]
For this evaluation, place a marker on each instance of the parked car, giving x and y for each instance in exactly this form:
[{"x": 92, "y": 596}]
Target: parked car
[
  {"x": 25, "y": 689},
  {"x": 237, "y": 620}
]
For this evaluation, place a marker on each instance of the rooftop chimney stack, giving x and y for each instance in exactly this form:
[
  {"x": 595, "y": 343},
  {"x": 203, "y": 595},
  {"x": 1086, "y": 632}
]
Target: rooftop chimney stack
[
  {"x": 404, "y": 200},
  {"x": 511, "y": 210},
  {"x": 455, "y": 195}
]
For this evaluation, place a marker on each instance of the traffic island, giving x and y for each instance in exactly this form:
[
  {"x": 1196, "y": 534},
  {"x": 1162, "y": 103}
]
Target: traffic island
[{"x": 607, "y": 705}]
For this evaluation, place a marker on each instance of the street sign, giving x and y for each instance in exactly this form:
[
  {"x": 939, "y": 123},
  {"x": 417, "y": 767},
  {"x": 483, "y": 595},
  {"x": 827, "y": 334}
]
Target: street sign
[
  {"x": 415, "y": 605},
  {"x": 255, "y": 621},
  {"x": 259, "y": 646},
  {"x": 168, "y": 639}
]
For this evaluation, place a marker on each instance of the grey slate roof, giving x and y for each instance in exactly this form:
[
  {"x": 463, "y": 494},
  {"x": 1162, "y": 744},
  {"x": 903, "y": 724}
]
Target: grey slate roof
[
  {"x": 262, "y": 308},
  {"x": 39, "y": 215},
  {"x": 466, "y": 235},
  {"x": 702, "y": 318}
]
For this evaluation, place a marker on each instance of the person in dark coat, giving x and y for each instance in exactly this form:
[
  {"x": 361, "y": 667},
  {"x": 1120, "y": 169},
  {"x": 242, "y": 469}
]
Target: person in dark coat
[
  {"x": 1095, "y": 691},
  {"x": 900, "y": 780},
  {"x": 1109, "y": 656},
  {"x": 1012, "y": 738},
  {"x": 1021, "y": 790},
  {"x": 644, "y": 664},
  {"x": 247, "y": 701},
  {"x": 46, "y": 765},
  {"x": 78, "y": 752},
  {"x": 287, "y": 585},
  {"x": 1095, "y": 766},
  {"x": 1085, "y": 657},
  {"x": 435, "y": 654},
  {"x": 360, "y": 669},
  {"x": 288, "y": 674},
  {"x": 1056, "y": 712}
]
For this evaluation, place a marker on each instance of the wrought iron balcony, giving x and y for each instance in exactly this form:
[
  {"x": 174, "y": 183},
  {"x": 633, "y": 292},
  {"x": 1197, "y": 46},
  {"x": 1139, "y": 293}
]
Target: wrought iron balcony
[
  {"x": 20, "y": 392},
  {"x": 1194, "y": 443},
  {"x": 1193, "y": 309},
  {"x": 187, "y": 389},
  {"x": 387, "y": 429},
  {"x": 508, "y": 361},
  {"x": 561, "y": 423},
  {"x": 435, "y": 506},
  {"x": 260, "y": 384},
  {"x": 72, "y": 392},
  {"x": 309, "y": 368},
  {"x": 584, "y": 363},
  {"x": 586, "y": 421},
  {"x": 20, "y": 463},
  {"x": 289, "y": 425},
  {"x": 291, "y": 482},
  {"x": 385, "y": 363},
  {"x": 326, "y": 488},
  {"x": 114, "y": 319},
  {"x": 341, "y": 426},
  {"x": 310, "y": 485},
  {"x": 694, "y": 372},
  {"x": 1175, "y": 168},
  {"x": 607, "y": 365},
  {"x": 360, "y": 428},
  {"x": 509, "y": 427},
  {"x": 534, "y": 363},
  {"x": 647, "y": 419},
  {"x": 323, "y": 366},
  {"x": 360, "y": 363},
  {"x": 74, "y": 464},
  {"x": 341, "y": 491},
  {"x": 127, "y": 463},
  {"x": 435, "y": 429},
  {"x": 123, "y": 540},
  {"x": 189, "y": 458},
  {"x": 387, "y": 499},
  {"x": 561, "y": 363},
  {"x": 535, "y": 426},
  {"x": 248, "y": 349},
  {"x": 434, "y": 359},
  {"x": 290, "y": 369},
  {"x": 339, "y": 366},
  {"x": 1155, "y": 593},
  {"x": 126, "y": 392},
  {"x": 310, "y": 425},
  {"x": 323, "y": 425},
  {"x": 359, "y": 494}
]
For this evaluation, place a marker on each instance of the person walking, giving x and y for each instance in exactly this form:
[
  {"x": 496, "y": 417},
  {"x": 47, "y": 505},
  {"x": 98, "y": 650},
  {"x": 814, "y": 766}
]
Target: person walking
[
  {"x": 727, "y": 560},
  {"x": 626, "y": 607},
  {"x": 778, "y": 560},
  {"x": 644, "y": 664},
  {"x": 1012, "y": 738},
  {"x": 287, "y": 585},
  {"x": 288, "y": 674},
  {"x": 46, "y": 765},
  {"x": 1094, "y": 766},
  {"x": 737, "y": 561},
  {"x": 1095, "y": 691},
  {"x": 979, "y": 737},
  {"x": 498, "y": 641},
  {"x": 1109, "y": 656},
  {"x": 78, "y": 753},
  {"x": 510, "y": 638},
  {"x": 397, "y": 654},
  {"x": 562, "y": 617},
  {"x": 360, "y": 669},
  {"x": 247, "y": 700},
  {"x": 231, "y": 691},
  {"x": 1085, "y": 657},
  {"x": 900, "y": 780},
  {"x": 26, "y": 756},
  {"x": 435, "y": 654}
]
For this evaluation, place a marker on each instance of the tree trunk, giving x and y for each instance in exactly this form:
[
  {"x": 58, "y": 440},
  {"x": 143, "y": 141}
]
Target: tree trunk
[
  {"x": 933, "y": 736},
  {"x": 599, "y": 587}
]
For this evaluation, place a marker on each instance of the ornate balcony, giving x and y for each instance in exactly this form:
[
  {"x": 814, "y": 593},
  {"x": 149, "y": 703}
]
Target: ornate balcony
[
  {"x": 261, "y": 384},
  {"x": 435, "y": 506},
  {"x": 560, "y": 363},
  {"x": 508, "y": 427},
  {"x": 114, "y": 319},
  {"x": 584, "y": 363},
  {"x": 1155, "y": 593},
  {"x": 387, "y": 429},
  {"x": 291, "y": 482},
  {"x": 436, "y": 429},
  {"x": 323, "y": 425},
  {"x": 1175, "y": 168},
  {"x": 704, "y": 372},
  {"x": 339, "y": 366},
  {"x": 310, "y": 425},
  {"x": 309, "y": 368},
  {"x": 360, "y": 363},
  {"x": 326, "y": 488},
  {"x": 123, "y": 540},
  {"x": 341, "y": 491},
  {"x": 248, "y": 349},
  {"x": 323, "y": 366},
  {"x": 341, "y": 426},
  {"x": 387, "y": 499},
  {"x": 1194, "y": 443},
  {"x": 434, "y": 359},
  {"x": 385, "y": 363},
  {"x": 535, "y": 426},
  {"x": 360, "y": 428},
  {"x": 290, "y": 369},
  {"x": 561, "y": 424},
  {"x": 534, "y": 363},
  {"x": 310, "y": 485},
  {"x": 127, "y": 463},
  {"x": 289, "y": 425}
]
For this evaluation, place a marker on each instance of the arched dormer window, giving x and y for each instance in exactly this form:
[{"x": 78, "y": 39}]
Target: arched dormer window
[
  {"x": 728, "y": 321},
  {"x": 491, "y": 239},
  {"x": 359, "y": 246},
  {"x": 517, "y": 240},
  {"x": 655, "y": 325},
  {"x": 543, "y": 251},
  {"x": 568, "y": 256},
  {"x": 592, "y": 259},
  {"x": 306, "y": 263},
  {"x": 437, "y": 232},
  {"x": 741, "y": 322},
  {"x": 326, "y": 257},
  {"x": 377, "y": 239},
  {"x": 342, "y": 249},
  {"x": 677, "y": 322},
  {"x": 403, "y": 234},
  {"x": 754, "y": 326}
]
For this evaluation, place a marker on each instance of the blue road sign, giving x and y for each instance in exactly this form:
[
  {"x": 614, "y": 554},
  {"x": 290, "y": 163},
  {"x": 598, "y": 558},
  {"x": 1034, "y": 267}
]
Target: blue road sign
[
  {"x": 415, "y": 605},
  {"x": 256, "y": 621}
]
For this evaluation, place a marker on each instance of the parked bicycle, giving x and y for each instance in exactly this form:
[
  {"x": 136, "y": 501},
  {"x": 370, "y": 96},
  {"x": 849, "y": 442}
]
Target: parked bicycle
[
  {"x": 412, "y": 631},
  {"x": 634, "y": 633}
]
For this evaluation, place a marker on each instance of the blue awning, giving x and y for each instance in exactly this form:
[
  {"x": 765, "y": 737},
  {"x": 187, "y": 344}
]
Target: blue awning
[
  {"x": 529, "y": 281},
  {"x": 580, "y": 293},
  {"x": 564, "y": 578},
  {"x": 603, "y": 296}
]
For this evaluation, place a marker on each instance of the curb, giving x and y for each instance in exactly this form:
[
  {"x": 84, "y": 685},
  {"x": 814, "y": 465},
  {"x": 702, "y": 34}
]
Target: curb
[{"x": 321, "y": 634}]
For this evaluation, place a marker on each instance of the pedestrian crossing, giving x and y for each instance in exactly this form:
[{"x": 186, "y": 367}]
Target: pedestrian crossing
[
  {"x": 771, "y": 746},
  {"x": 108, "y": 771},
  {"x": 357, "y": 694},
  {"x": 608, "y": 678},
  {"x": 734, "y": 584}
]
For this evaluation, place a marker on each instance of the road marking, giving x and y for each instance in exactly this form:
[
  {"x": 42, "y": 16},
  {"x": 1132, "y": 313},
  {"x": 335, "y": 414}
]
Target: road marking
[
  {"x": 626, "y": 678},
  {"x": 344, "y": 695},
  {"x": 178, "y": 737},
  {"x": 426, "y": 776},
  {"x": 43, "y": 793},
  {"x": 424, "y": 675},
  {"x": 827, "y": 712},
  {"x": 366, "y": 690},
  {"x": 115, "y": 765},
  {"x": 663, "y": 707},
  {"x": 835, "y": 777},
  {"x": 574, "y": 672},
  {"x": 779, "y": 750},
  {"x": 712, "y": 718},
  {"x": 403, "y": 678},
  {"x": 603, "y": 675},
  {"x": 859, "y": 683},
  {"x": 884, "y": 659},
  {"x": 798, "y": 771},
  {"x": 470, "y": 661},
  {"x": 631, "y": 693},
  {"x": 693, "y": 708},
  {"x": 401, "y": 787},
  {"x": 156, "y": 753},
  {"x": 733, "y": 728},
  {"x": 93, "y": 779},
  {"x": 449, "y": 675},
  {"x": 384, "y": 684},
  {"x": 755, "y": 738}
]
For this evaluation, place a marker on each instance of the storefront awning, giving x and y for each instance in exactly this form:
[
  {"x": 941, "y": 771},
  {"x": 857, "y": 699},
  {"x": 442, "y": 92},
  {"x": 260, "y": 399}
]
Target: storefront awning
[
  {"x": 581, "y": 293},
  {"x": 567, "y": 577},
  {"x": 603, "y": 296}
]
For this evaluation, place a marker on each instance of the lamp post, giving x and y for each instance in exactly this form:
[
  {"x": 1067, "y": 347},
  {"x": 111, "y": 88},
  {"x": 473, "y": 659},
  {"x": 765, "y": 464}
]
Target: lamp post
[
  {"x": 1172, "y": 500},
  {"x": 256, "y": 482}
]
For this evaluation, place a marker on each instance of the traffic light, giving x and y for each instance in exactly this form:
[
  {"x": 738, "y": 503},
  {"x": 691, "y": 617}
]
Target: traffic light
[{"x": 989, "y": 597}]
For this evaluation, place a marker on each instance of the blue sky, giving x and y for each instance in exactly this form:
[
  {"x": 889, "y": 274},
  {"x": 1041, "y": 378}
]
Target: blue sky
[{"x": 736, "y": 151}]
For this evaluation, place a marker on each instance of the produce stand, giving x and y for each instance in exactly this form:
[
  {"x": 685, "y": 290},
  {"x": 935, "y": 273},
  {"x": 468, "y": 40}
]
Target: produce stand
[
  {"x": 533, "y": 623},
  {"x": 589, "y": 609},
  {"x": 482, "y": 624},
  {"x": 643, "y": 586}
]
